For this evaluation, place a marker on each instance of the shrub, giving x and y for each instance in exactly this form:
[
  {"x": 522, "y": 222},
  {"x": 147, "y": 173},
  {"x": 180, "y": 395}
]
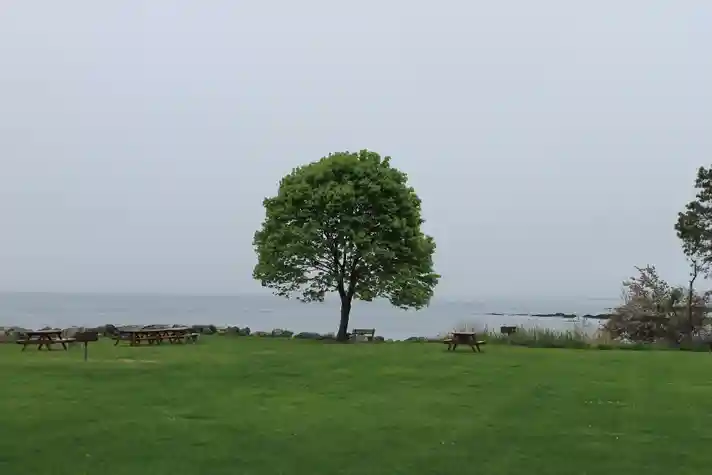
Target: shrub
[{"x": 652, "y": 310}]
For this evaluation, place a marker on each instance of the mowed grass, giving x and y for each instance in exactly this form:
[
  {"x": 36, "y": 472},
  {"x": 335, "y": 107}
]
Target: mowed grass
[{"x": 263, "y": 406}]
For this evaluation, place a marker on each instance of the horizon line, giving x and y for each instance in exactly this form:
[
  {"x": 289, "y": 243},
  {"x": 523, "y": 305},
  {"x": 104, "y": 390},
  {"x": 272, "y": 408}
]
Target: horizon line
[{"x": 451, "y": 298}]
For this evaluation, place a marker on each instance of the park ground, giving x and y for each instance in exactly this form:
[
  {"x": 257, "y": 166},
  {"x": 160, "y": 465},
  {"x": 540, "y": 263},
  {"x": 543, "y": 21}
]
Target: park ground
[{"x": 232, "y": 405}]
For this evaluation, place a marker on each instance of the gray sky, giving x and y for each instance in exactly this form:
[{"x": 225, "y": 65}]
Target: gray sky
[{"x": 552, "y": 142}]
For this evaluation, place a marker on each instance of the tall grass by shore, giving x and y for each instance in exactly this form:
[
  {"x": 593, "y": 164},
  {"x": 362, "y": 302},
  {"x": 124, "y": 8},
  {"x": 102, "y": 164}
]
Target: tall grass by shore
[{"x": 578, "y": 339}]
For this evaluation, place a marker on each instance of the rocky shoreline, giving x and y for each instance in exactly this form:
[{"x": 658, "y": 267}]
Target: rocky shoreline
[
  {"x": 13, "y": 334},
  {"x": 600, "y": 316}
]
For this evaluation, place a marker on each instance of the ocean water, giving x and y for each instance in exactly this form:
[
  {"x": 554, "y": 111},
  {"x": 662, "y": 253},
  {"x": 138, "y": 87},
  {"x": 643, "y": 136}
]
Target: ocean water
[{"x": 266, "y": 312}]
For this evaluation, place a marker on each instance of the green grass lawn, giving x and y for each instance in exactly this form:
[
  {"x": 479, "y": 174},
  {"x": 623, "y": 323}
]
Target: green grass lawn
[{"x": 263, "y": 406}]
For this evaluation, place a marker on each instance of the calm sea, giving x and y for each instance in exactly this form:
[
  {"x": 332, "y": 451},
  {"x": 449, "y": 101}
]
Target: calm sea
[{"x": 265, "y": 312}]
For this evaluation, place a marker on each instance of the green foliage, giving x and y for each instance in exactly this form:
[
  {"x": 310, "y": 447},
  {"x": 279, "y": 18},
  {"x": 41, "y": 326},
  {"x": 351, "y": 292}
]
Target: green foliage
[
  {"x": 347, "y": 223},
  {"x": 694, "y": 224}
]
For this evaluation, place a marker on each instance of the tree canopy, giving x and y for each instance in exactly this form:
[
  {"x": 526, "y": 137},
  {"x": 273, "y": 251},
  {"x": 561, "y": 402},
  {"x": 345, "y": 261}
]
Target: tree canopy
[
  {"x": 347, "y": 223},
  {"x": 694, "y": 224}
]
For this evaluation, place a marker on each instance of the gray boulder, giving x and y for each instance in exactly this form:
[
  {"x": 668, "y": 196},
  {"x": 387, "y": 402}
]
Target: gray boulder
[
  {"x": 237, "y": 331},
  {"x": 280, "y": 333},
  {"x": 70, "y": 332},
  {"x": 206, "y": 329}
]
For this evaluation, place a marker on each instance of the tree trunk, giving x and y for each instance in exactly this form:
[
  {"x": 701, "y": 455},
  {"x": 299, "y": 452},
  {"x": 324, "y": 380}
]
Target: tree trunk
[
  {"x": 343, "y": 334},
  {"x": 690, "y": 324},
  {"x": 690, "y": 295}
]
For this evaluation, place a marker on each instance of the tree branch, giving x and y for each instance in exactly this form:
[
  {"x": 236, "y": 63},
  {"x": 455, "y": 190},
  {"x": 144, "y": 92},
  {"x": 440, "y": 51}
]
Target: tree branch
[{"x": 353, "y": 276}]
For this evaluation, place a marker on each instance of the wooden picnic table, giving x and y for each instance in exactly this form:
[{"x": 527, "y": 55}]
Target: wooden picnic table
[
  {"x": 45, "y": 338},
  {"x": 154, "y": 335},
  {"x": 464, "y": 338}
]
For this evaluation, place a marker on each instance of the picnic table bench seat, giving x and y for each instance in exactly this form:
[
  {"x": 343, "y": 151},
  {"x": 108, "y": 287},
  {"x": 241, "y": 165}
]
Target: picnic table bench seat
[{"x": 37, "y": 342}]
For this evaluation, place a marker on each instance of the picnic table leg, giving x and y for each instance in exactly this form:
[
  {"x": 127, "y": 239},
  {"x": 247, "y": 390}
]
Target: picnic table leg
[
  {"x": 43, "y": 342},
  {"x": 64, "y": 345}
]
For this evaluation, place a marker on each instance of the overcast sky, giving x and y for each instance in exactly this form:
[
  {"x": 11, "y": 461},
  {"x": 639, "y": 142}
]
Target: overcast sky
[{"x": 552, "y": 142}]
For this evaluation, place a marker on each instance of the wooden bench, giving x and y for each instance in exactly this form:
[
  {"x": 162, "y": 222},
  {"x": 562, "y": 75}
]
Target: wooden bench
[
  {"x": 507, "y": 330},
  {"x": 369, "y": 333},
  {"x": 464, "y": 338}
]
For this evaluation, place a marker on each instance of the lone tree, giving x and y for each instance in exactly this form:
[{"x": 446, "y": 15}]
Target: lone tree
[
  {"x": 347, "y": 223},
  {"x": 694, "y": 228}
]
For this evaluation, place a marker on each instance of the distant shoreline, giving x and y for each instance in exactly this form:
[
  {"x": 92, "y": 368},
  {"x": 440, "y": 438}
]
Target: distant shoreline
[{"x": 600, "y": 316}]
